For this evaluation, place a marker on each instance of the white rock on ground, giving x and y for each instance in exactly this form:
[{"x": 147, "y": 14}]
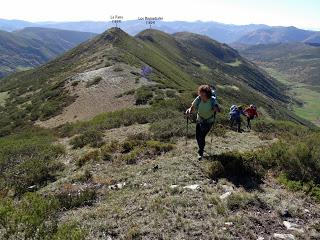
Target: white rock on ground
[
  {"x": 174, "y": 186},
  {"x": 293, "y": 226},
  {"x": 227, "y": 188},
  {"x": 192, "y": 187},
  {"x": 283, "y": 236},
  {"x": 225, "y": 195},
  {"x": 228, "y": 223},
  {"x": 117, "y": 186}
]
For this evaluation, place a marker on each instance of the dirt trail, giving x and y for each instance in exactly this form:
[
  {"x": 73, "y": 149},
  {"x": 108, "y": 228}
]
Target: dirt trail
[{"x": 102, "y": 96}]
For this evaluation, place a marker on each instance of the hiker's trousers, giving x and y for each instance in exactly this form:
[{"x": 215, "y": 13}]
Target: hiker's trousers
[
  {"x": 249, "y": 121},
  {"x": 237, "y": 121},
  {"x": 202, "y": 129}
]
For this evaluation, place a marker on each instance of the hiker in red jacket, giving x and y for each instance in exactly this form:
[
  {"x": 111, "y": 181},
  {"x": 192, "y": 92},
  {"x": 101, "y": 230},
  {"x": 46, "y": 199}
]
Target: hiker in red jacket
[{"x": 251, "y": 113}]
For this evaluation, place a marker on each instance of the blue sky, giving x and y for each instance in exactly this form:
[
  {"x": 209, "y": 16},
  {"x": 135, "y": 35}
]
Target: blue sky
[{"x": 304, "y": 14}]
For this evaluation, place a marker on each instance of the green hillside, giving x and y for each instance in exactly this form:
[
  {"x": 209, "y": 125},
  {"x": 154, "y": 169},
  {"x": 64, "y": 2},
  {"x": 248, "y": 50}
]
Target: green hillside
[
  {"x": 179, "y": 62},
  {"x": 31, "y": 47},
  {"x": 129, "y": 173},
  {"x": 299, "y": 61},
  {"x": 298, "y": 66}
]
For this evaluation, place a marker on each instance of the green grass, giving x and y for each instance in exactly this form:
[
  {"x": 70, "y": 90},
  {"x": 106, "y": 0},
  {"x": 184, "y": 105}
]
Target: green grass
[
  {"x": 236, "y": 63},
  {"x": 35, "y": 217},
  {"x": 307, "y": 187},
  {"x": 311, "y": 104},
  {"x": 28, "y": 159},
  {"x": 310, "y": 109},
  {"x": 277, "y": 75},
  {"x": 3, "y": 97}
]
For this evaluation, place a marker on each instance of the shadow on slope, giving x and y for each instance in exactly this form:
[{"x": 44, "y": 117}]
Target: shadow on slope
[{"x": 242, "y": 169}]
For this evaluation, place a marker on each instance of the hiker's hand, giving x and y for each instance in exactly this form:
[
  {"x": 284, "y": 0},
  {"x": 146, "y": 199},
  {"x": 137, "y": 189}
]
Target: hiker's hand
[
  {"x": 188, "y": 112},
  {"x": 217, "y": 109}
]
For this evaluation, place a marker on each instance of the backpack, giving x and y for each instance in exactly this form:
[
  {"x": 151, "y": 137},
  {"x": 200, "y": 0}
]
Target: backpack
[
  {"x": 213, "y": 101},
  {"x": 233, "y": 108}
]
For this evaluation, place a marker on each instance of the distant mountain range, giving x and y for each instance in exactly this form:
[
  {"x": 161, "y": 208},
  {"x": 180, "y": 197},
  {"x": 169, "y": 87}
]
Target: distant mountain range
[
  {"x": 226, "y": 33},
  {"x": 280, "y": 35},
  {"x": 31, "y": 47}
]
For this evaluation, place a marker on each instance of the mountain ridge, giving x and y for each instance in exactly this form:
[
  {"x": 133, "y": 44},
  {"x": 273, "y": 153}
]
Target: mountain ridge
[
  {"x": 220, "y": 31},
  {"x": 32, "y": 46},
  {"x": 118, "y": 54}
]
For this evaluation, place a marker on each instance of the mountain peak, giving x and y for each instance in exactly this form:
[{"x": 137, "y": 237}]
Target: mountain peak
[{"x": 114, "y": 34}]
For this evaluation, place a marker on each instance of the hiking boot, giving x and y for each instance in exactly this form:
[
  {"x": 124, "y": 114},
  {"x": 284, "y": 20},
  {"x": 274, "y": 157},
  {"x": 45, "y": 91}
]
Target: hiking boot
[{"x": 200, "y": 157}]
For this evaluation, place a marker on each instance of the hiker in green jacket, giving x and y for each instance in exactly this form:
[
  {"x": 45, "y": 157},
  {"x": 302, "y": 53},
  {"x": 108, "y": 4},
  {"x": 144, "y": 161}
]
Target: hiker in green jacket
[{"x": 205, "y": 105}]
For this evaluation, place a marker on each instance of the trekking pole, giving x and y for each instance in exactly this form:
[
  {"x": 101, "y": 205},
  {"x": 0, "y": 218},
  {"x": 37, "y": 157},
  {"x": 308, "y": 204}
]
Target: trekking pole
[
  {"x": 211, "y": 131},
  {"x": 187, "y": 129}
]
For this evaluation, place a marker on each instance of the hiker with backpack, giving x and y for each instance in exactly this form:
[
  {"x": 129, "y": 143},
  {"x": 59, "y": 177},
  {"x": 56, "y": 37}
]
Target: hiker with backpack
[
  {"x": 235, "y": 116},
  {"x": 251, "y": 113},
  {"x": 205, "y": 105}
]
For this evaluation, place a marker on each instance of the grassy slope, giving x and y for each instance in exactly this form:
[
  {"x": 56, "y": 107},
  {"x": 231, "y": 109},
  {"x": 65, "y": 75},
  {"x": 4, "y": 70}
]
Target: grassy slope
[
  {"x": 168, "y": 56},
  {"x": 308, "y": 105},
  {"x": 31, "y": 47},
  {"x": 146, "y": 206},
  {"x": 198, "y": 53},
  {"x": 299, "y": 61},
  {"x": 297, "y": 66}
]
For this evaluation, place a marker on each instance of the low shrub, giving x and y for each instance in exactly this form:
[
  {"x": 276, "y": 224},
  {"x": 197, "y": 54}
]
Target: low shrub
[
  {"x": 143, "y": 95},
  {"x": 91, "y": 156},
  {"x": 48, "y": 109},
  {"x": 68, "y": 231},
  {"x": 93, "y": 138},
  {"x": 107, "y": 64},
  {"x": 170, "y": 93},
  {"x": 133, "y": 156},
  {"x": 84, "y": 177},
  {"x": 142, "y": 136},
  {"x": 129, "y": 92},
  {"x": 299, "y": 159},
  {"x": 219, "y": 130},
  {"x": 157, "y": 147},
  {"x": 111, "y": 147},
  {"x": 129, "y": 145},
  {"x": 237, "y": 166},
  {"x": 174, "y": 127},
  {"x": 94, "y": 81},
  {"x": 271, "y": 129},
  {"x": 28, "y": 159},
  {"x": 241, "y": 201},
  {"x": 31, "y": 174},
  {"x": 75, "y": 83},
  {"x": 220, "y": 207},
  {"x": 106, "y": 156},
  {"x": 308, "y": 187},
  {"x": 215, "y": 170},
  {"x": 118, "y": 69},
  {"x": 166, "y": 109},
  {"x": 76, "y": 198},
  {"x": 30, "y": 218}
]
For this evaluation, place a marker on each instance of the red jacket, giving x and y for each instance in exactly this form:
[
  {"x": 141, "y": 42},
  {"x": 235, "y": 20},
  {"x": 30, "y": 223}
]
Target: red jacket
[{"x": 251, "y": 112}]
